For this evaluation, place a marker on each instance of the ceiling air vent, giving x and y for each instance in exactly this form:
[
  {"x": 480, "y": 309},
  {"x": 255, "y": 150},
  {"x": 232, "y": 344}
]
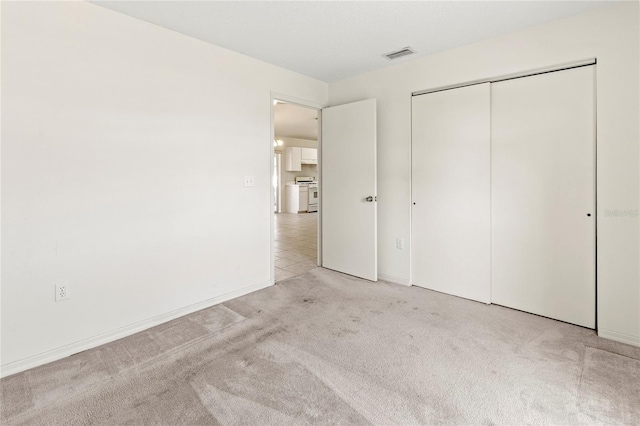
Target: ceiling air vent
[{"x": 399, "y": 53}]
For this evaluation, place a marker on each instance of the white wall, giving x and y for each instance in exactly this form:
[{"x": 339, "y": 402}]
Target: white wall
[
  {"x": 124, "y": 147},
  {"x": 611, "y": 35}
]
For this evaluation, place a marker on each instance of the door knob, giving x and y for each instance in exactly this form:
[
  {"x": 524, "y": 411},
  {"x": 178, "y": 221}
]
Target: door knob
[{"x": 371, "y": 199}]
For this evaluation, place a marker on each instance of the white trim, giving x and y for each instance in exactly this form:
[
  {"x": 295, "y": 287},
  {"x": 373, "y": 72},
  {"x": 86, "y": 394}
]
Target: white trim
[
  {"x": 393, "y": 279},
  {"x": 110, "y": 336},
  {"x": 618, "y": 336},
  {"x": 272, "y": 217},
  {"x": 293, "y": 100},
  {"x": 557, "y": 67},
  {"x": 319, "y": 227}
]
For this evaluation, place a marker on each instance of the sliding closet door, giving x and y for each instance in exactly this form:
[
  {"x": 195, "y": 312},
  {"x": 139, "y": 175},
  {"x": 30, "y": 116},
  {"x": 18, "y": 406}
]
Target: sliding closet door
[
  {"x": 543, "y": 194},
  {"x": 450, "y": 218}
]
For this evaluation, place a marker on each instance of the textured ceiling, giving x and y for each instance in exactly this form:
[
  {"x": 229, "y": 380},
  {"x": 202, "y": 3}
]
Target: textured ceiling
[
  {"x": 332, "y": 40},
  {"x": 293, "y": 121}
]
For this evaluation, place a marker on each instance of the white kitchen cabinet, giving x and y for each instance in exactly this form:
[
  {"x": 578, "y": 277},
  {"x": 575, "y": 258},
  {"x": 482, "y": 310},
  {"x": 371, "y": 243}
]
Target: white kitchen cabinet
[
  {"x": 309, "y": 156},
  {"x": 293, "y": 159},
  {"x": 297, "y": 156},
  {"x": 303, "y": 199},
  {"x": 292, "y": 197},
  {"x": 297, "y": 198}
]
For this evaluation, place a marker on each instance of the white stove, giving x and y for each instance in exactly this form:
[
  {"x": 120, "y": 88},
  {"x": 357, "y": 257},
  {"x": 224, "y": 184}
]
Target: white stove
[
  {"x": 305, "y": 181},
  {"x": 313, "y": 191},
  {"x": 313, "y": 197}
]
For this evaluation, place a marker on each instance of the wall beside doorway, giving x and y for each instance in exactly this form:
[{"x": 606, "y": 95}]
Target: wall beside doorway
[{"x": 123, "y": 161}]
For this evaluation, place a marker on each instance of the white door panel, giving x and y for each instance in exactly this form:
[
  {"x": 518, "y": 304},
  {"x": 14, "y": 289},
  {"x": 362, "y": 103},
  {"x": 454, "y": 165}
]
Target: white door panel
[
  {"x": 349, "y": 221},
  {"x": 543, "y": 188},
  {"x": 450, "y": 191}
]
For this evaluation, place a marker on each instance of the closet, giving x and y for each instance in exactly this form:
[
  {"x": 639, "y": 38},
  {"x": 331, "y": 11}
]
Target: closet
[
  {"x": 450, "y": 191},
  {"x": 503, "y": 193}
]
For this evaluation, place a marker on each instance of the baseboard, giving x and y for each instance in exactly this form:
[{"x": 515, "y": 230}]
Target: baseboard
[
  {"x": 101, "y": 339},
  {"x": 393, "y": 279},
  {"x": 629, "y": 339}
]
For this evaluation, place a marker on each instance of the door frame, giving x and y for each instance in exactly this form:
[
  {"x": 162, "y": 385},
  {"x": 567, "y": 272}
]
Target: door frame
[
  {"x": 278, "y": 196},
  {"x": 305, "y": 104}
]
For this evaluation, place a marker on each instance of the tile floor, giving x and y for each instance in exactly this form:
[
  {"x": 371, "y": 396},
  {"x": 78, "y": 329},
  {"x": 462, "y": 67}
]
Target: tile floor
[{"x": 296, "y": 244}]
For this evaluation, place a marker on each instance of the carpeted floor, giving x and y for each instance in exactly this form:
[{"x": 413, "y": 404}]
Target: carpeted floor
[{"x": 325, "y": 348}]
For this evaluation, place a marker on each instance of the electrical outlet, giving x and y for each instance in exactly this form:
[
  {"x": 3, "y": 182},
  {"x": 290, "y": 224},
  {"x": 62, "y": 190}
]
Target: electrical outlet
[
  {"x": 62, "y": 292},
  {"x": 400, "y": 243},
  {"x": 248, "y": 181}
]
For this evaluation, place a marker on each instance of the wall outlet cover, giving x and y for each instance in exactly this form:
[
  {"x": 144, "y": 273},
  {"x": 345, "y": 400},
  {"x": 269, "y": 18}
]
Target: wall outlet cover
[{"x": 62, "y": 292}]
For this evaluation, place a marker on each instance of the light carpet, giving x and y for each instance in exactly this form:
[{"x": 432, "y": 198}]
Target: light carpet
[{"x": 326, "y": 348}]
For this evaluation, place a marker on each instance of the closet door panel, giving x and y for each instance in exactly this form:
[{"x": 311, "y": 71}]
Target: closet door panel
[
  {"x": 450, "y": 234},
  {"x": 543, "y": 195}
]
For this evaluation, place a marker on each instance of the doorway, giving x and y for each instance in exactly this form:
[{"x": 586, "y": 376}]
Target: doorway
[
  {"x": 295, "y": 190},
  {"x": 346, "y": 217}
]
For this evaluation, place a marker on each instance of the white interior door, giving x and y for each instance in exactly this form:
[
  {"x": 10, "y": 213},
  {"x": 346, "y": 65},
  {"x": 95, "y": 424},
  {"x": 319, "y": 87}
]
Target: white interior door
[
  {"x": 348, "y": 189},
  {"x": 450, "y": 179},
  {"x": 543, "y": 194}
]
